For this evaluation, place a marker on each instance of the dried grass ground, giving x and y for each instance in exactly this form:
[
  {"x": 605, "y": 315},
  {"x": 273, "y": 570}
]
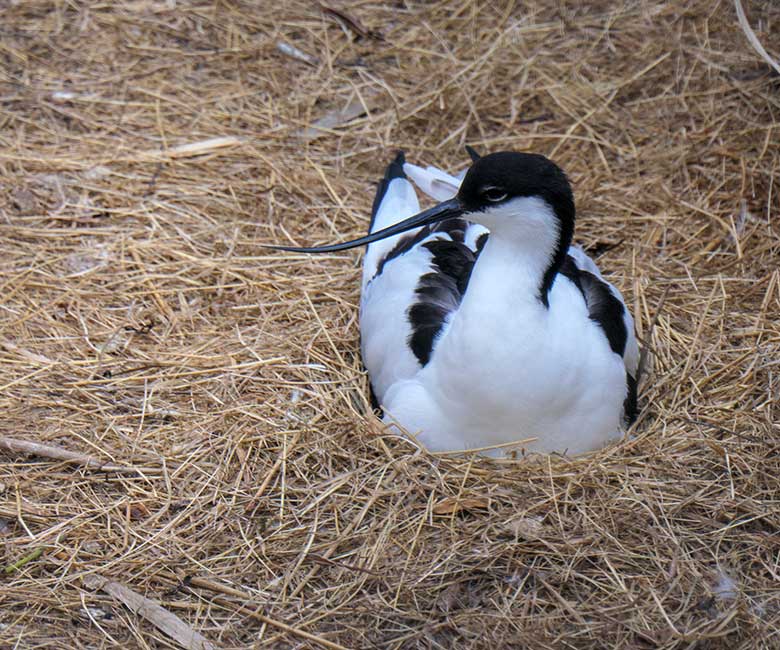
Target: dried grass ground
[{"x": 142, "y": 325}]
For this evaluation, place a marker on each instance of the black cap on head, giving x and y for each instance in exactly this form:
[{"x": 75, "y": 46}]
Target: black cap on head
[{"x": 506, "y": 175}]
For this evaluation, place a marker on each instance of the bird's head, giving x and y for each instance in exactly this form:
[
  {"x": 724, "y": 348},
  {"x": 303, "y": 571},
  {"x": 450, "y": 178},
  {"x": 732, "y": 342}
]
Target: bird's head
[{"x": 524, "y": 195}]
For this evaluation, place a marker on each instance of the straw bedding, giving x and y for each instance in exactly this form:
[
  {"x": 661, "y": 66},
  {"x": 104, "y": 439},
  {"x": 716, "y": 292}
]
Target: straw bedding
[{"x": 185, "y": 417}]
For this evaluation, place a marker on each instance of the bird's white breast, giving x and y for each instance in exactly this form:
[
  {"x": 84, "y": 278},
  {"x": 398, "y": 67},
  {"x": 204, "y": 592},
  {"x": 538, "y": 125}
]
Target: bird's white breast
[{"x": 503, "y": 373}]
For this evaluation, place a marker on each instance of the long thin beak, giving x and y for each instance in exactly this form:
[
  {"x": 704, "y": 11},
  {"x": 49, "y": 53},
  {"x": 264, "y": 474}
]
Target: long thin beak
[{"x": 445, "y": 210}]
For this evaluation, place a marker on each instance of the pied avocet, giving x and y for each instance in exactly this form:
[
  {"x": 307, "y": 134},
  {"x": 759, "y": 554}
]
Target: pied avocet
[{"x": 481, "y": 324}]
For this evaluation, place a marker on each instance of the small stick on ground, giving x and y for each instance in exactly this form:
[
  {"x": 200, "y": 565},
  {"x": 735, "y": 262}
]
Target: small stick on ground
[
  {"x": 58, "y": 453},
  {"x": 153, "y": 612}
]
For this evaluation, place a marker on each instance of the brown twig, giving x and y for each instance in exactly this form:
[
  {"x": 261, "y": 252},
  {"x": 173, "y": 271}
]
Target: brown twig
[{"x": 16, "y": 445}]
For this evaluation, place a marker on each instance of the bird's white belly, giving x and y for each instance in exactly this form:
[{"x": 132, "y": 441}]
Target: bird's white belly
[{"x": 494, "y": 379}]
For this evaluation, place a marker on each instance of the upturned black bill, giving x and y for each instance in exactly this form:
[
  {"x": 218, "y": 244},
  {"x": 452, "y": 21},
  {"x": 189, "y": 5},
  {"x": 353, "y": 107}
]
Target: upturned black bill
[{"x": 446, "y": 210}]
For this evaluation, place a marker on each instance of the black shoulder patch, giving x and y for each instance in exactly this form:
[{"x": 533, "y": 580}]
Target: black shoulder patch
[
  {"x": 439, "y": 293},
  {"x": 603, "y": 306},
  {"x": 454, "y": 260},
  {"x": 394, "y": 170},
  {"x": 606, "y": 310}
]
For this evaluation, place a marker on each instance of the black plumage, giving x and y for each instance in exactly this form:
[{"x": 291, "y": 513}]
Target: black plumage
[
  {"x": 630, "y": 404},
  {"x": 439, "y": 293}
]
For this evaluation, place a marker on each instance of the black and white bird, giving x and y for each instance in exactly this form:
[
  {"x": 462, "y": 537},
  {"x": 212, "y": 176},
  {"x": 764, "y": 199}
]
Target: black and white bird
[{"x": 482, "y": 326}]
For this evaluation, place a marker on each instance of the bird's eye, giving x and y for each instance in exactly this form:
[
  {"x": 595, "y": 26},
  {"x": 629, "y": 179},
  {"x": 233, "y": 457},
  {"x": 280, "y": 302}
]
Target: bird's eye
[{"x": 494, "y": 194}]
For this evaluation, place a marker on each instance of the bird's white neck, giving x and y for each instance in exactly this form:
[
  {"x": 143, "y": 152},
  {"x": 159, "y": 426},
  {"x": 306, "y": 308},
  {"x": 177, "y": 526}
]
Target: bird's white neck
[{"x": 524, "y": 239}]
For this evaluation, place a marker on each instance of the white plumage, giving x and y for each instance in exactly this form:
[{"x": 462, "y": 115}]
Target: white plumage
[{"x": 511, "y": 341}]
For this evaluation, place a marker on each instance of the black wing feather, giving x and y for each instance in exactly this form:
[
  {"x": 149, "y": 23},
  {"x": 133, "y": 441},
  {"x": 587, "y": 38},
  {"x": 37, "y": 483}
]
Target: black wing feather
[
  {"x": 440, "y": 291},
  {"x": 604, "y": 308},
  {"x": 630, "y": 404},
  {"x": 607, "y": 311}
]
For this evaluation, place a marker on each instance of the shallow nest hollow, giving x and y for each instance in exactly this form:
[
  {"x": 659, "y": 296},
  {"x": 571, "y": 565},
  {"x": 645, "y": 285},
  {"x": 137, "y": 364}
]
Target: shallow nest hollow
[{"x": 188, "y": 457}]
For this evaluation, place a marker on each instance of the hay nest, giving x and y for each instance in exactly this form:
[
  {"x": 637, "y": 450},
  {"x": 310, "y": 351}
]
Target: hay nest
[{"x": 188, "y": 458}]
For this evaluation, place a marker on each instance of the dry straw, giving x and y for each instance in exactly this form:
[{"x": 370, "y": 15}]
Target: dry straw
[{"x": 187, "y": 455}]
